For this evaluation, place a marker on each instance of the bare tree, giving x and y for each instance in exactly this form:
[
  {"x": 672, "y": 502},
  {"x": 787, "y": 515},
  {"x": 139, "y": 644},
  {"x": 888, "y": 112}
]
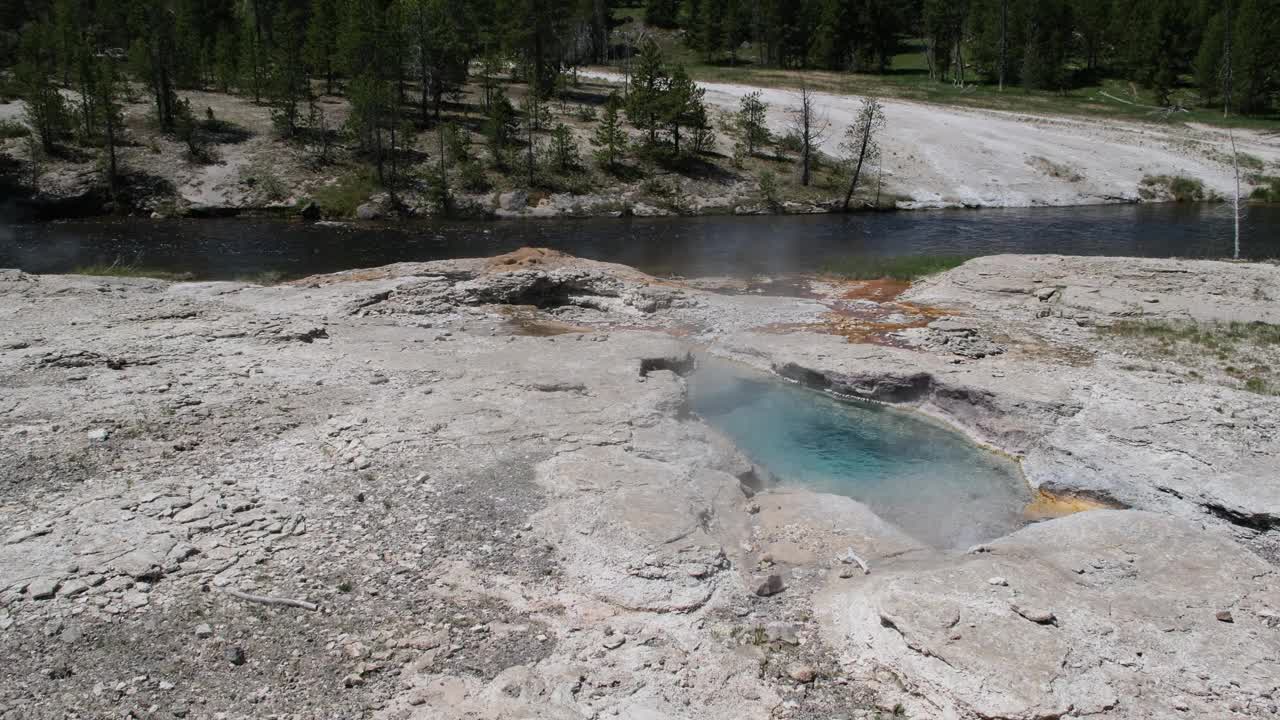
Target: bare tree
[
  {"x": 1235, "y": 203},
  {"x": 860, "y": 142},
  {"x": 1227, "y": 77},
  {"x": 811, "y": 127}
]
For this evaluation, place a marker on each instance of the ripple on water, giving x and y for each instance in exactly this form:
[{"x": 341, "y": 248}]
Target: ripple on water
[{"x": 928, "y": 479}]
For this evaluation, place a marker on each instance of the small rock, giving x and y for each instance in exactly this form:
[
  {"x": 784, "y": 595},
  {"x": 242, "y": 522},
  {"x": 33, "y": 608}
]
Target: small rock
[
  {"x": 368, "y": 211},
  {"x": 362, "y": 462},
  {"x": 802, "y": 673},
  {"x": 772, "y": 585},
  {"x": 613, "y": 643},
  {"x": 43, "y": 588},
  {"x": 203, "y": 631},
  {"x": 136, "y": 599},
  {"x": 1224, "y": 616},
  {"x": 353, "y": 680},
  {"x": 98, "y": 434},
  {"x": 234, "y": 655},
  {"x": 998, "y": 581},
  {"x": 1039, "y": 616}
]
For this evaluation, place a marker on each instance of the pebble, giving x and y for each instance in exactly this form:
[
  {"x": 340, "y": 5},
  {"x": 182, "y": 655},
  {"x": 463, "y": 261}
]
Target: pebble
[
  {"x": 98, "y": 434},
  {"x": 234, "y": 655},
  {"x": 203, "y": 631},
  {"x": 998, "y": 581},
  {"x": 613, "y": 643},
  {"x": 1224, "y": 616}
]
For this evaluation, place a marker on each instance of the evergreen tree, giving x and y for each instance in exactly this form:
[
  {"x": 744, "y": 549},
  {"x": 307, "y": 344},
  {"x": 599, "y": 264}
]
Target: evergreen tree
[
  {"x": 682, "y": 106},
  {"x": 564, "y": 148},
  {"x": 47, "y": 112},
  {"x": 1255, "y": 58},
  {"x": 108, "y": 88},
  {"x": 609, "y": 139},
  {"x": 441, "y": 38},
  {"x": 861, "y": 143},
  {"x": 322, "y": 41},
  {"x": 154, "y": 56},
  {"x": 661, "y": 13},
  {"x": 501, "y": 126},
  {"x": 1048, "y": 44},
  {"x": 288, "y": 87},
  {"x": 649, "y": 84},
  {"x": 750, "y": 122}
]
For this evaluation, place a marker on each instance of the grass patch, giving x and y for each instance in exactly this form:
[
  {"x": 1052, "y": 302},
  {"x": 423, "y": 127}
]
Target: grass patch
[
  {"x": 1240, "y": 354},
  {"x": 13, "y": 129},
  {"x": 1212, "y": 336},
  {"x": 1178, "y": 188},
  {"x": 117, "y": 269},
  {"x": 341, "y": 198},
  {"x": 905, "y": 268}
]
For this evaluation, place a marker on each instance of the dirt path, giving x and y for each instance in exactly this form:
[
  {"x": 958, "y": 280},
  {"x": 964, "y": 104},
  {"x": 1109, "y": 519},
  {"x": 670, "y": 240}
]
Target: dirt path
[{"x": 944, "y": 156}]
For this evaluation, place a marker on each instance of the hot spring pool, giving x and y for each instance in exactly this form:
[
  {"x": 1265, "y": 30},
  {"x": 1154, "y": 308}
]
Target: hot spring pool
[{"x": 925, "y": 478}]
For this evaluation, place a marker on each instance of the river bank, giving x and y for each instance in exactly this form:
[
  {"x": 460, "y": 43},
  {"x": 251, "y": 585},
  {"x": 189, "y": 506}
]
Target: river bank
[
  {"x": 935, "y": 157},
  {"x": 479, "y": 481}
]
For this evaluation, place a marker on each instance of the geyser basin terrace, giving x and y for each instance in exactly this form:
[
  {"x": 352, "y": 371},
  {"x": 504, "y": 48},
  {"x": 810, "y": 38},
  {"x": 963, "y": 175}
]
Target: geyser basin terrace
[
  {"x": 925, "y": 478},
  {"x": 498, "y": 523}
]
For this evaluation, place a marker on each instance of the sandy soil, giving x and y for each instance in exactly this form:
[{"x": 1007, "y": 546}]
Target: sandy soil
[{"x": 945, "y": 156}]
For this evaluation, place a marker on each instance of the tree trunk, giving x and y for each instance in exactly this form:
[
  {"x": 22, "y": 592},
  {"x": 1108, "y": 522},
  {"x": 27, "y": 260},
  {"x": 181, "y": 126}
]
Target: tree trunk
[
  {"x": 1004, "y": 40},
  {"x": 857, "y": 170}
]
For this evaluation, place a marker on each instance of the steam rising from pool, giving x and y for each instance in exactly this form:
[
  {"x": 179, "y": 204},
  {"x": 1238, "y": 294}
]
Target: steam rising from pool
[{"x": 928, "y": 480}]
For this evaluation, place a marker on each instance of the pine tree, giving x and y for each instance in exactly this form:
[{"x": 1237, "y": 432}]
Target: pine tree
[
  {"x": 609, "y": 139},
  {"x": 1048, "y": 44},
  {"x": 322, "y": 41},
  {"x": 442, "y": 41},
  {"x": 682, "y": 105},
  {"x": 564, "y": 148},
  {"x": 1256, "y": 54},
  {"x": 649, "y": 83},
  {"x": 47, "y": 112},
  {"x": 751, "y": 122},
  {"x": 861, "y": 144},
  {"x": 287, "y": 84}
]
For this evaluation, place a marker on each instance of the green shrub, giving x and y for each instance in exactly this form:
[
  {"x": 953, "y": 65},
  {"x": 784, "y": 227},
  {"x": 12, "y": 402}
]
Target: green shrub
[
  {"x": 1267, "y": 190},
  {"x": 1176, "y": 187},
  {"x": 13, "y": 129},
  {"x": 346, "y": 194},
  {"x": 769, "y": 189},
  {"x": 473, "y": 178}
]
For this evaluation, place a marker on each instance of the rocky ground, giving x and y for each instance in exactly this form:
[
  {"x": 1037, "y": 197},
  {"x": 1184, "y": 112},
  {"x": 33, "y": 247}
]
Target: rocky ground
[
  {"x": 939, "y": 156},
  {"x": 471, "y": 489}
]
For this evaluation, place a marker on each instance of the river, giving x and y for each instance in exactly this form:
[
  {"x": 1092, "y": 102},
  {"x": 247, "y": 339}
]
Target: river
[{"x": 240, "y": 247}]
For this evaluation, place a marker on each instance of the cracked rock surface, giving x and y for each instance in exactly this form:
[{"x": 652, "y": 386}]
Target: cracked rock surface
[{"x": 483, "y": 477}]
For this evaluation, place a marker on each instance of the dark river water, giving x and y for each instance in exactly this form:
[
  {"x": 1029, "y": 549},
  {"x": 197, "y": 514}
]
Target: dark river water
[{"x": 236, "y": 247}]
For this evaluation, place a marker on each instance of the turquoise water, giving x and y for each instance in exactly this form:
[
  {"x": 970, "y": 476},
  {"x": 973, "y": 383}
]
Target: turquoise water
[{"x": 925, "y": 478}]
